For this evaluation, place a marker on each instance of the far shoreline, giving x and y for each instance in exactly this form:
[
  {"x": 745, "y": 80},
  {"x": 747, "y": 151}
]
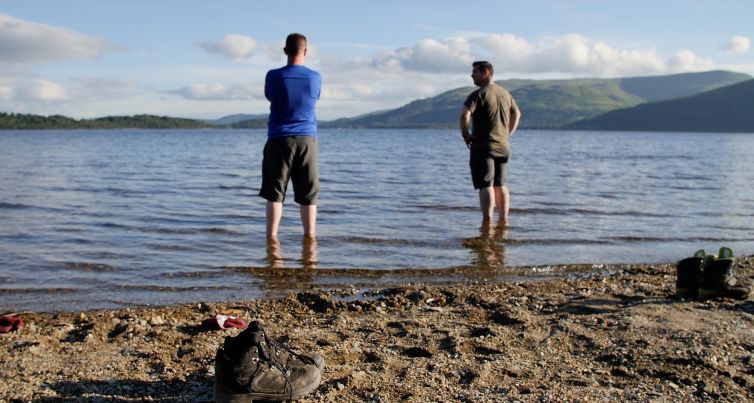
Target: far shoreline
[{"x": 238, "y": 129}]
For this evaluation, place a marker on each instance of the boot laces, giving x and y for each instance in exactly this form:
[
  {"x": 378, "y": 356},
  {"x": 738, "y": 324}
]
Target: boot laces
[{"x": 273, "y": 362}]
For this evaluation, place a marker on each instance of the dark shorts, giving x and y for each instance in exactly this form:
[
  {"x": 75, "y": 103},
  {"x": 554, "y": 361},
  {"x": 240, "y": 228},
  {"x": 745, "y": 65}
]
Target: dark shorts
[
  {"x": 488, "y": 171},
  {"x": 290, "y": 158}
]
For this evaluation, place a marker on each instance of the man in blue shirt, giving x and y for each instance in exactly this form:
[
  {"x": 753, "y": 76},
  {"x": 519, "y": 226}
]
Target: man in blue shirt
[{"x": 291, "y": 149}]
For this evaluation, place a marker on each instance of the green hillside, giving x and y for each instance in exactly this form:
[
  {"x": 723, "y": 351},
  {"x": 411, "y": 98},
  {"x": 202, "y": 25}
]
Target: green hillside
[
  {"x": 545, "y": 104},
  {"x": 438, "y": 111},
  {"x": 679, "y": 85},
  {"x": 12, "y": 121},
  {"x": 726, "y": 109},
  {"x": 548, "y": 103},
  {"x": 235, "y": 119}
]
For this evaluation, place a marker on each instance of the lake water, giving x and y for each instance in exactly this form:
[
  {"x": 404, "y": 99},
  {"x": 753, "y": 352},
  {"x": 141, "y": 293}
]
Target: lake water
[{"x": 94, "y": 219}]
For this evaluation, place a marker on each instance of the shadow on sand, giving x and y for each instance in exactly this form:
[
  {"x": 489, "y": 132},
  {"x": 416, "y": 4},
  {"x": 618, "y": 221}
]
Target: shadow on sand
[{"x": 196, "y": 388}]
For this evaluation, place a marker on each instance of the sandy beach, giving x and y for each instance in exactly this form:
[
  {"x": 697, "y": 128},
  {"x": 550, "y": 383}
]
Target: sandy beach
[{"x": 620, "y": 336}]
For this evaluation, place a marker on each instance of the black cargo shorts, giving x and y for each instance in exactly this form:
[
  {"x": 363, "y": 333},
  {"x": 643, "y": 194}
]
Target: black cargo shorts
[
  {"x": 488, "y": 171},
  {"x": 291, "y": 158}
]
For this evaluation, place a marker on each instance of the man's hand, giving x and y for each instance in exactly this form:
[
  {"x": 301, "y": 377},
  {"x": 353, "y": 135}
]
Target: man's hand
[{"x": 467, "y": 139}]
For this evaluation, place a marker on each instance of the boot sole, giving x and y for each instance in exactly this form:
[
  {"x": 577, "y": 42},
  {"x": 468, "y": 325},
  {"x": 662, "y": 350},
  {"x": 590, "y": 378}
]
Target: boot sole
[
  {"x": 709, "y": 294},
  {"x": 687, "y": 293},
  {"x": 221, "y": 397}
]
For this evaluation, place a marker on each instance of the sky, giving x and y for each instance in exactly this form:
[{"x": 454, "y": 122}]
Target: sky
[{"x": 208, "y": 59}]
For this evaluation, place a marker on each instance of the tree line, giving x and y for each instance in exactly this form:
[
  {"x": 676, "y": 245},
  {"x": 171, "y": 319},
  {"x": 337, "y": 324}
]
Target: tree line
[{"x": 14, "y": 121}]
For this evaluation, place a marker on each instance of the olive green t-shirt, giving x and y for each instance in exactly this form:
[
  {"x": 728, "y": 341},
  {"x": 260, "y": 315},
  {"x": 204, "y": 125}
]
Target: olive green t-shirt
[{"x": 491, "y": 107}]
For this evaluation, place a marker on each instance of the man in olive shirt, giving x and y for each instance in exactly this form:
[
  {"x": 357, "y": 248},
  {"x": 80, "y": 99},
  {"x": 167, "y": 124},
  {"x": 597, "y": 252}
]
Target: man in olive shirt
[{"x": 489, "y": 118}]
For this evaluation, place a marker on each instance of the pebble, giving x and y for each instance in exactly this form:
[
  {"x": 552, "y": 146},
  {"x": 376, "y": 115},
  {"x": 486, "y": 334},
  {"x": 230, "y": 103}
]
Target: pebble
[{"x": 180, "y": 366}]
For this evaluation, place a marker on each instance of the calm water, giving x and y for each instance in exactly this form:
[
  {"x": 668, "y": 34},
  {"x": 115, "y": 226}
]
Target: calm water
[{"x": 114, "y": 218}]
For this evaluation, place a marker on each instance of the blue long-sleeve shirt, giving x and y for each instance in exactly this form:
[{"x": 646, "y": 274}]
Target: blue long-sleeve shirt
[{"x": 293, "y": 91}]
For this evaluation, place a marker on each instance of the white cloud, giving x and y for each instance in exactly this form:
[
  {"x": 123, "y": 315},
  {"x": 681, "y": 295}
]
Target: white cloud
[
  {"x": 26, "y": 42},
  {"x": 31, "y": 90},
  {"x": 245, "y": 48},
  {"x": 577, "y": 55},
  {"x": 430, "y": 55},
  {"x": 367, "y": 81},
  {"x": 571, "y": 54},
  {"x": 220, "y": 92},
  {"x": 504, "y": 46},
  {"x": 232, "y": 46},
  {"x": 686, "y": 60},
  {"x": 738, "y": 44}
]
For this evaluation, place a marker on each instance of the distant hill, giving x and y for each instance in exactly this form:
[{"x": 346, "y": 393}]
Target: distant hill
[
  {"x": 12, "y": 121},
  {"x": 726, "y": 109},
  {"x": 548, "y": 103},
  {"x": 260, "y": 123},
  {"x": 679, "y": 85},
  {"x": 233, "y": 119}
]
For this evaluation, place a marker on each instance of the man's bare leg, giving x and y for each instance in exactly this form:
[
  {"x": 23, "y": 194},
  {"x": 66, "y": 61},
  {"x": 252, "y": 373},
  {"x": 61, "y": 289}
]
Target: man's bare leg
[
  {"x": 486, "y": 202},
  {"x": 274, "y": 213},
  {"x": 309, "y": 219},
  {"x": 503, "y": 201}
]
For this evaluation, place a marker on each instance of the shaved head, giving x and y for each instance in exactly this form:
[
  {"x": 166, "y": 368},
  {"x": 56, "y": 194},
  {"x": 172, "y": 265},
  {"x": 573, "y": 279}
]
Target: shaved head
[{"x": 295, "y": 44}]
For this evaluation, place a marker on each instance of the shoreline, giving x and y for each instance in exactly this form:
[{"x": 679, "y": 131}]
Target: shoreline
[
  {"x": 594, "y": 337},
  {"x": 278, "y": 282}
]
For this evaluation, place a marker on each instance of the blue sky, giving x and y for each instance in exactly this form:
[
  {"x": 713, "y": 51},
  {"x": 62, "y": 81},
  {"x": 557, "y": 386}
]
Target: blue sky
[{"x": 202, "y": 59}]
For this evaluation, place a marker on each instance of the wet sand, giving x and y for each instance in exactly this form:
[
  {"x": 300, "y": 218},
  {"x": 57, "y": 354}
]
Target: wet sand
[{"x": 602, "y": 337}]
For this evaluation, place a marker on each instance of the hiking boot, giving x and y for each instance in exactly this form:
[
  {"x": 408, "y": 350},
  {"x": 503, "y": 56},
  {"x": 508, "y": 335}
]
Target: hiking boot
[
  {"x": 286, "y": 355},
  {"x": 689, "y": 275},
  {"x": 719, "y": 280},
  {"x": 247, "y": 369}
]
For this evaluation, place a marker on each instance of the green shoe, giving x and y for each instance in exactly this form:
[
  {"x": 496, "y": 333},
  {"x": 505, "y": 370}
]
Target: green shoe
[
  {"x": 725, "y": 253},
  {"x": 689, "y": 275},
  {"x": 719, "y": 279}
]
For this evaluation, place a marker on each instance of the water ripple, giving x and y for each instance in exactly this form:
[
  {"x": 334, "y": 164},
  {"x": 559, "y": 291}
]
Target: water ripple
[{"x": 153, "y": 216}]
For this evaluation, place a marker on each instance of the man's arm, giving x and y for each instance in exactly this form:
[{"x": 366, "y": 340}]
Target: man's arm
[
  {"x": 515, "y": 117},
  {"x": 267, "y": 86},
  {"x": 464, "y": 123}
]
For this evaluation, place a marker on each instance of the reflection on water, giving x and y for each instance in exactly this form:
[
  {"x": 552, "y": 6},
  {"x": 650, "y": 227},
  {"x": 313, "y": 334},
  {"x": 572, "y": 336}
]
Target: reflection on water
[
  {"x": 309, "y": 253},
  {"x": 97, "y": 219},
  {"x": 488, "y": 247},
  {"x": 286, "y": 274},
  {"x": 274, "y": 254},
  {"x": 308, "y": 261}
]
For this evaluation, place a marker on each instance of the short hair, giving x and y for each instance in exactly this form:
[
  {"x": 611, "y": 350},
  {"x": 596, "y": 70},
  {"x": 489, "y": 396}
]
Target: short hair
[
  {"x": 484, "y": 65},
  {"x": 294, "y": 44}
]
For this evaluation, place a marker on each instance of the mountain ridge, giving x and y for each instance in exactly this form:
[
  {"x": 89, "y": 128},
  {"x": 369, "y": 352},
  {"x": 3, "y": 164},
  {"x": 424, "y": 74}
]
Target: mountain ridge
[
  {"x": 546, "y": 104},
  {"x": 725, "y": 109}
]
